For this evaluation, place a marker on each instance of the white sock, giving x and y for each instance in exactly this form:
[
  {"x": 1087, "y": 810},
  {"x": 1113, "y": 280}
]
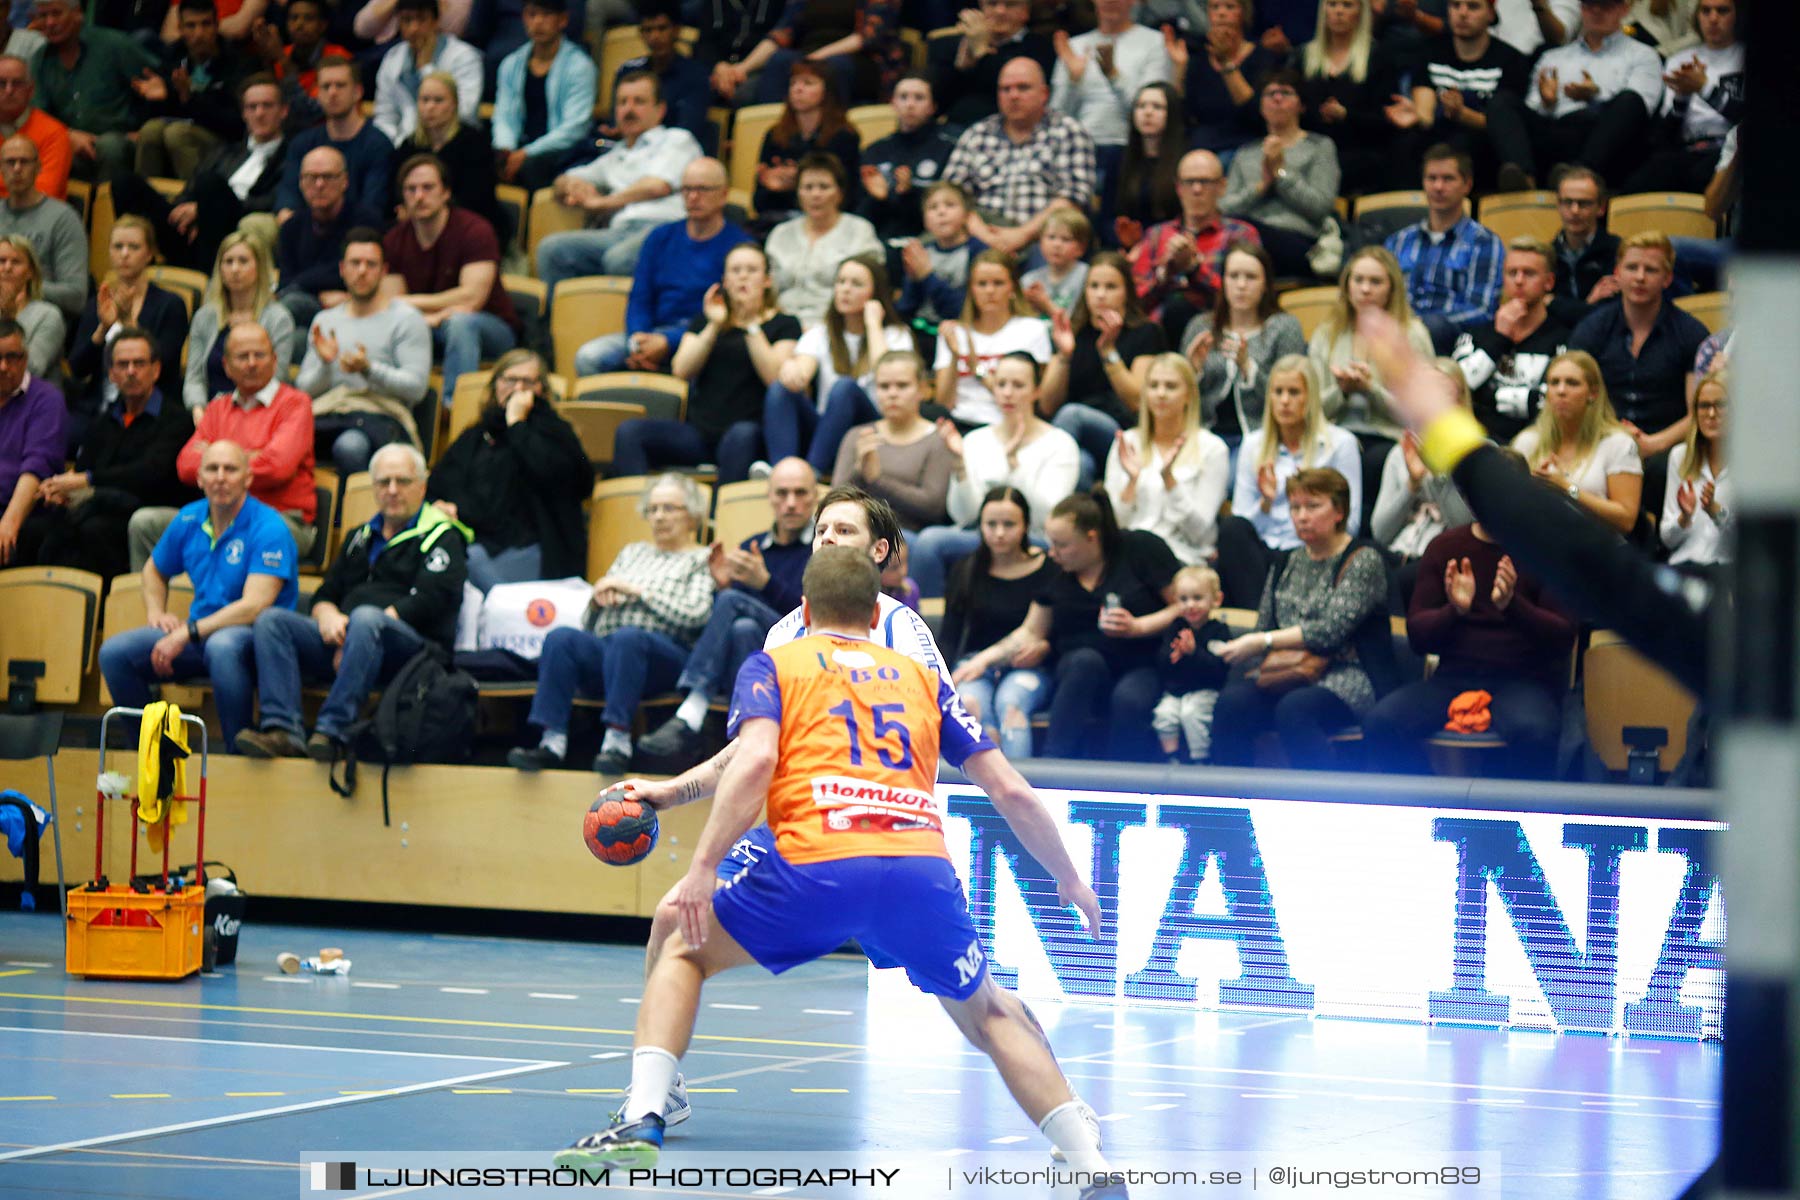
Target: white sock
[
  {"x": 652, "y": 1075},
  {"x": 616, "y": 740},
  {"x": 555, "y": 743},
  {"x": 693, "y": 710},
  {"x": 1067, "y": 1131}
]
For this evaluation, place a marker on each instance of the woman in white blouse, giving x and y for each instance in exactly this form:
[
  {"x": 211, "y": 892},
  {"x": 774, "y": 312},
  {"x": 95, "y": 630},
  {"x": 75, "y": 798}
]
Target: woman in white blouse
[
  {"x": 1294, "y": 435},
  {"x": 822, "y": 390},
  {"x": 996, "y": 321},
  {"x": 1168, "y": 475},
  {"x": 1578, "y": 445},
  {"x": 1696, "y": 505},
  {"x": 1020, "y": 449},
  {"x": 804, "y": 253}
]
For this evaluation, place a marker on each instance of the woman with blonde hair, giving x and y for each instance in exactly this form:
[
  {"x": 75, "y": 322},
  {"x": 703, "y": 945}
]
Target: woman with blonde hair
[
  {"x": 1696, "y": 503},
  {"x": 1295, "y": 436},
  {"x": 1348, "y": 84},
  {"x": 1168, "y": 475},
  {"x": 242, "y": 288},
  {"x": 517, "y": 477},
  {"x": 124, "y": 298},
  {"x": 1355, "y": 395},
  {"x": 22, "y": 300},
  {"x": 1578, "y": 446},
  {"x": 462, "y": 146},
  {"x": 996, "y": 321}
]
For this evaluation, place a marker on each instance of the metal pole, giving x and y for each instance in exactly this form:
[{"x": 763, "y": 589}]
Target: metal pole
[{"x": 1756, "y": 640}]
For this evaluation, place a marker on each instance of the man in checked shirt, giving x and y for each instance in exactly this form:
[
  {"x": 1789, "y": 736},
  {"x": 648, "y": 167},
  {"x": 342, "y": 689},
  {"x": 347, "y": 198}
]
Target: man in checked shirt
[{"x": 1022, "y": 163}]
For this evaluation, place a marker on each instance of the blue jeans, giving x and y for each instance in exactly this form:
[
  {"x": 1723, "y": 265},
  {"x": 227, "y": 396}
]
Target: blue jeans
[
  {"x": 793, "y": 424},
  {"x": 739, "y": 623},
  {"x": 620, "y": 666},
  {"x": 607, "y": 352},
  {"x": 289, "y": 651},
  {"x": 997, "y": 696},
  {"x": 1093, "y": 432},
  {"x": 516, "y": 564},
  {"x": 226, "y": 659},
  {"x": 609, "y": 251},
  {"x": 645, "y": 444},
  {"x": 934, "y": 550},
  {"x": 463, "y": 340}
]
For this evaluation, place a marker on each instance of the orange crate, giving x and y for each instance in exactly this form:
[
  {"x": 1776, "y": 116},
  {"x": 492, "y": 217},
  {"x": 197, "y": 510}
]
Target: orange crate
[{"x": 121, "y": 934}]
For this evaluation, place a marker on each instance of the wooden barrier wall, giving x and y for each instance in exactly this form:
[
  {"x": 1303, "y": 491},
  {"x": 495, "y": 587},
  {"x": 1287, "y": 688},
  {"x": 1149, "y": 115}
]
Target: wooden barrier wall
[{"x": 462, "y": 837}]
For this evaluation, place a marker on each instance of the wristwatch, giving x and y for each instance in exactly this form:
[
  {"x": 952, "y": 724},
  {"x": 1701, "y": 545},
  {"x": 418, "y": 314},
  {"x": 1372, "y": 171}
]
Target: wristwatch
[
  {"x": 194, "y": 631},
  {"x": 1113, "y": 357},
  {"x": 1574, "y": 491}
]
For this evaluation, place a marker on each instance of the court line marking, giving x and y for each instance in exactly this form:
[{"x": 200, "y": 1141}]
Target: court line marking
[
  {"x": 413, "y": 1020},
  {"x": 259, "y": 1114},
  {"x": 20, "y": 971},
  {"x": 554, "y": 996},
  {"x": 462, "y": 991},
  {"x": 13, "y": 1099},
  {"x": 738, "y": 1007},
  {"x": 20, "y": 962},
  {"x": 820, "y": 1091},
  {"x": 157, "y": 1037},
  {"x": 828, "y": 1012},
  {"x": 369, "y": 983}
]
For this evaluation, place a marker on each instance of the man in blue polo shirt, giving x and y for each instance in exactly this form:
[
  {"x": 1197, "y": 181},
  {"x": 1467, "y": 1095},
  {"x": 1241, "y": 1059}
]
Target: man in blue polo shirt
[{"x": 242, "y": 559}]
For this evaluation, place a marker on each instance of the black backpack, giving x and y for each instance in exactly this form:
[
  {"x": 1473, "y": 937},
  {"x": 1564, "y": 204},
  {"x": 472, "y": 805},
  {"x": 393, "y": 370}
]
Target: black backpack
[{"x": 426, "y": 714}]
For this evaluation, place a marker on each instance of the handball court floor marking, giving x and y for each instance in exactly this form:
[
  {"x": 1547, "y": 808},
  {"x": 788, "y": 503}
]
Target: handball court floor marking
[{"x": 215, "y": 1087}]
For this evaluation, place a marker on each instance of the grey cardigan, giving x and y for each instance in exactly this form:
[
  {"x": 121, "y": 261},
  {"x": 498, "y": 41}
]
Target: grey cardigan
[
  {"x": 205, "y": 331},
  {"x": 1300, "y": 200},
  {"x": 1220, "y": 380}
]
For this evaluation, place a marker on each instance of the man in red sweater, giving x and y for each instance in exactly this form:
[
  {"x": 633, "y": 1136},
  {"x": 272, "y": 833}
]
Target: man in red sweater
[{"x": 270, "y": 419}]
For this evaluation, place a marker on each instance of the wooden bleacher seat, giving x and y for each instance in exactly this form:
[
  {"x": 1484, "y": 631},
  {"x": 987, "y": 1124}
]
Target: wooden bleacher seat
[
  {"x": 1382, "y": 201},
  {"x": 357, "y": 507},
  {"x": 747, "y": 131},
  {"x": 81, "y": 198},
  {"x": 1623, "y": 688},
  {"x": 52, "y": 615},
  {"x": 100, "y": 223},
  {"x": 186, "y": 283},
  {"x": 915, "y": 46},
  {"x": 586, "y": 308},
  {"x": 1521, "y": 214},
  {"x": 1712, "y": 308},
  {"x": 614, "y": 521},
  {"x": 546, "y": 217},
  {"x": 873, "y": 122},
  {"x": 740, "y": 510},
  {"x": 165, "y": 187},
  {"x": 516, "y": 200},
  {"x": 661, "y": 396},
  {"x": 1676, "y": 214},
  {"x": 1308, "y": 306}
]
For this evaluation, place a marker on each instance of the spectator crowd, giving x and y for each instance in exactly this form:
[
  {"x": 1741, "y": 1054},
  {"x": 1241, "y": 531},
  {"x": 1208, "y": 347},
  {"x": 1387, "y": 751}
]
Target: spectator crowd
[{"x": 1035, "y": 337}]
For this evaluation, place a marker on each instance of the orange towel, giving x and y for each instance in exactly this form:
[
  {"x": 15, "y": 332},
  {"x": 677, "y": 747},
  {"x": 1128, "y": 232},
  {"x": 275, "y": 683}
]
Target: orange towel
[{"x": 1469, "y": 713}]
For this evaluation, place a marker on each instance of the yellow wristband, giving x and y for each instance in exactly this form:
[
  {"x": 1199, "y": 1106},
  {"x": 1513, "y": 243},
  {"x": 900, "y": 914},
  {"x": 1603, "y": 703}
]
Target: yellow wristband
[{"x": 1450, "y": 439}]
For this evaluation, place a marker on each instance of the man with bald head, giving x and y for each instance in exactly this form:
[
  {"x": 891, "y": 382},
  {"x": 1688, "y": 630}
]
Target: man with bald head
[
  {"x": 55, "y": 232},
  {"x": 1022, "y": 163},
  {"x": 241, "y": 559},
  {"x": 309, "y": 246},
  {"x": 271, "y": 420},
  {"x": 676, "y": 264},
  {"x": 1176, "y": 265},
  {"x": 397, "y": 586},
  {"x": 50, "y": 136}
]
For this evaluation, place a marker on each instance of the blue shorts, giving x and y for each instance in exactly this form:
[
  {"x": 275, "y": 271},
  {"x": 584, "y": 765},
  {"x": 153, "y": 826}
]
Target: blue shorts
[
  {"x": 750, "y": 850},
  {"x": 906, "y": 912}
]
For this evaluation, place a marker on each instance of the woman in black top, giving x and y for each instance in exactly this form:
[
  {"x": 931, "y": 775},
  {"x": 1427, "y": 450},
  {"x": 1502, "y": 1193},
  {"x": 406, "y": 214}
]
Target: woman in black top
[
  {"x": 1142, "y": 192},
  {"x": 1102, "y": 616},
  {"x": 729, "y": 356},
  {"x": 812, "y": 122},
  {"x": 518, "y": 478},
  {"x": 1347, "y": 88},
  {"x": 1090, "y": 390},
  {"x": 464, "y": 149},
  {"x": 990, "y": 592}
]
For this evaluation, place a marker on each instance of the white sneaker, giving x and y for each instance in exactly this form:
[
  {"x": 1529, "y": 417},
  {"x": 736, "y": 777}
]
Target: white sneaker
[{"x": 676, "y": 1108}]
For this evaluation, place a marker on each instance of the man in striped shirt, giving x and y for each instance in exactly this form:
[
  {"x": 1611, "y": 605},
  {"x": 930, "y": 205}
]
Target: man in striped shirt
[
  {"x": 1452, "y": 265},
  {"x": 1463, "y": 70}
]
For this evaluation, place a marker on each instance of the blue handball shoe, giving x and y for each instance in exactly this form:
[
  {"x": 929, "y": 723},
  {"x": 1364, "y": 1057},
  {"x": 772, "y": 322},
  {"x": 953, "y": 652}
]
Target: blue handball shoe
[{"x": 634, "y": 1145}]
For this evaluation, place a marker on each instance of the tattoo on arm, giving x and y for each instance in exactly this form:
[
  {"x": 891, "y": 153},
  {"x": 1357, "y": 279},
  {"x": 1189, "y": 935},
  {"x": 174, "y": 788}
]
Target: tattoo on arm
[{"x": 702, "y": 785}]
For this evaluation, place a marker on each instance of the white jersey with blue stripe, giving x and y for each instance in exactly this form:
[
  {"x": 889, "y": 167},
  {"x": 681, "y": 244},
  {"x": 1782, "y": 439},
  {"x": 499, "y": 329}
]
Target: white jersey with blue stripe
[{"x": 897, "y": 627}]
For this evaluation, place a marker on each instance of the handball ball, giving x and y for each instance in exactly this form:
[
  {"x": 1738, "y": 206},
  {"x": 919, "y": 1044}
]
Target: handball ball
[{"x": 619, "y": 831}]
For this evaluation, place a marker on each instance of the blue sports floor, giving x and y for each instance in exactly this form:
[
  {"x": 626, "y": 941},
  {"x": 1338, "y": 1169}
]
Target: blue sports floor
[{"x": 214, "y": 1087}]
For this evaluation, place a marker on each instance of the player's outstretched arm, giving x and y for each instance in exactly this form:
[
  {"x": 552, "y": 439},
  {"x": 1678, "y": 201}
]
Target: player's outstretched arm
[
  {"x": 696, "y": 783},
  {"x": 1019, "y": 805},
  {"x": 737, "y": 804}
]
